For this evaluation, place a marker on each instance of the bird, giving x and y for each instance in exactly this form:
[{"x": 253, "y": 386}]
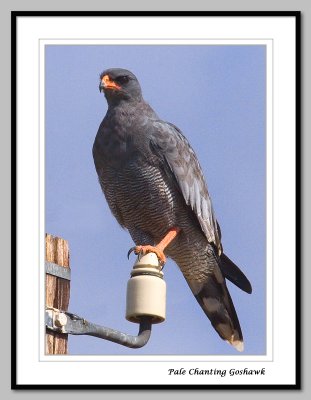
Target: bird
[{"x": 155, "y": 188}]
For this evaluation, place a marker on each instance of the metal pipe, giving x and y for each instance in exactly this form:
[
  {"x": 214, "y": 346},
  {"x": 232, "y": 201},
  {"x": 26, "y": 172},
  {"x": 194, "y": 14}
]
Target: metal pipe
[
  {"x": 75, "y": 325},
  {"x": 146, "y": 294}
]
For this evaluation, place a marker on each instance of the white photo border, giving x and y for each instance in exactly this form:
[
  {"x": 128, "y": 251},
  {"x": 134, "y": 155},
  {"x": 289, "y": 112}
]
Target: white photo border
[{"x": 278, "y": 34}]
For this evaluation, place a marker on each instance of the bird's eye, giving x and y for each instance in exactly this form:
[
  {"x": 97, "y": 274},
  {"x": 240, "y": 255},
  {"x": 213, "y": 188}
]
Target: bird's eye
[{"x": 123, "y": 79}]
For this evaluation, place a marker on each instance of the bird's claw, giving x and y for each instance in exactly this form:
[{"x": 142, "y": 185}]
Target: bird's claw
[
  {"x": 140, "y": 251},
  {"x": 130, "y": 251},
  {"x": 140, "y": 254}
]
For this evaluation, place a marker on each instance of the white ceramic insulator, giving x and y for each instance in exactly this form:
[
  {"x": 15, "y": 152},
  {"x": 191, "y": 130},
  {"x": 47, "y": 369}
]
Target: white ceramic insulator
[{"x": 146, "y": 291}]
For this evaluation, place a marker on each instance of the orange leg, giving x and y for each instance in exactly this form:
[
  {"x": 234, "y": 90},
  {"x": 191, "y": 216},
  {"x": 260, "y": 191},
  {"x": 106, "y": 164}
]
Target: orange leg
[{"x": 159, "y": 248}]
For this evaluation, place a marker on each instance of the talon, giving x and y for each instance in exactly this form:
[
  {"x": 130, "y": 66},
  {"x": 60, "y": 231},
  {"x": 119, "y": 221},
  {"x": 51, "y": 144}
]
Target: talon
[
  {"x": 140, "y": 251},
  {"x": 130, "y": 251},
  {"x": 153, "y": 249},
  {"x": 158, "y": 249}
]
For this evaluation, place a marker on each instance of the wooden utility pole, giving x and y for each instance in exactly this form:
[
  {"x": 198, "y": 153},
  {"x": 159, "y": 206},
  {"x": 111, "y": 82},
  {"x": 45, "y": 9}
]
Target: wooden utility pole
[{"x": 57, "y": 291}]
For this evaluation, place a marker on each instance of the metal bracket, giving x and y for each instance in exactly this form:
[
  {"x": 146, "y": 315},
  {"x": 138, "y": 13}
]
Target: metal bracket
[
  {"x": 58, "y": 270},
  {"x": 66, "y": 322}
]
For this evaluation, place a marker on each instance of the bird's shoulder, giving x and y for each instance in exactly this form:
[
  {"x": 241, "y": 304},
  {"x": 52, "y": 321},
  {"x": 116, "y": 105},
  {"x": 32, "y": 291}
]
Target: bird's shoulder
[{"x": 169, "y": 141}]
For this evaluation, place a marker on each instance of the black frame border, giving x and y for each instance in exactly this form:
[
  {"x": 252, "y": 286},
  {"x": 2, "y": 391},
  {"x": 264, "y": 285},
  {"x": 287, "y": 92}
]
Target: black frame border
[{"x": 298, "y": 288}]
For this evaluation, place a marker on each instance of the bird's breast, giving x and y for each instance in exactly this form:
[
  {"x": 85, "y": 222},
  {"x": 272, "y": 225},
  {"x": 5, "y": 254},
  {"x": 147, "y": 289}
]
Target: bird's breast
[
  {"x": 136, "y": 187},
  {"x": 120, "y": 142},
  {"x": 140, "y": 194}
]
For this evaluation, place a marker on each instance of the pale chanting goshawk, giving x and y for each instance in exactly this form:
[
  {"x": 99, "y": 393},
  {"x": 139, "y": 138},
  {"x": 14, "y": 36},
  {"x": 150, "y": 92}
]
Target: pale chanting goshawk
[{"x": 155, "y": 188}]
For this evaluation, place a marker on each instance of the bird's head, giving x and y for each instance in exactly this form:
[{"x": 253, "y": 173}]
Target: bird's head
[{"x": 119, "y": 84}]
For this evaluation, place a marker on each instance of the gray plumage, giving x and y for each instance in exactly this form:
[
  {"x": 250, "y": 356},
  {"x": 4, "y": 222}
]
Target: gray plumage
[{"x": 153, "y": 181}]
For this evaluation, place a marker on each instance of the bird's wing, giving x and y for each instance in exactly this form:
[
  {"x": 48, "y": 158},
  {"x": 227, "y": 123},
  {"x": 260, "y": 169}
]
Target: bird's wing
[{"x": 180, "y": 161}]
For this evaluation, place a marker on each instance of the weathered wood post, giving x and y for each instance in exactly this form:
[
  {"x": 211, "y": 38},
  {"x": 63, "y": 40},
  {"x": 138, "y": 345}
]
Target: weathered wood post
[{"x": 57, "y": 291}]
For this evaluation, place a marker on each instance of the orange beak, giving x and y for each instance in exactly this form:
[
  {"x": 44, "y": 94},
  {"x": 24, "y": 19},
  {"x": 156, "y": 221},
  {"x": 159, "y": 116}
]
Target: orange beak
[{"x": 107, "y": 83}]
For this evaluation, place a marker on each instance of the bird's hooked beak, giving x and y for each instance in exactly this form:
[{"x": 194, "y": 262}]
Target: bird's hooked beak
[{"x": 107, "y": 83}]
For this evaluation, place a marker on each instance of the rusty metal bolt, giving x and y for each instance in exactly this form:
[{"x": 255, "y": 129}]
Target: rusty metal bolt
[{"x": 60, "y": 320}]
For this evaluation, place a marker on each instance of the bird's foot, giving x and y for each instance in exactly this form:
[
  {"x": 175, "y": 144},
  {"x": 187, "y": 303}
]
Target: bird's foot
[
  {"x": 142, "y": 250},
  {"x": 159, "y": 248}
]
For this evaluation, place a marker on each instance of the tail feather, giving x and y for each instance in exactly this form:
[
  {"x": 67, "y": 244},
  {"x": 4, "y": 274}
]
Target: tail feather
[
  {"x": 233, "y": 273},
  {"x": 215, "y": 300}
]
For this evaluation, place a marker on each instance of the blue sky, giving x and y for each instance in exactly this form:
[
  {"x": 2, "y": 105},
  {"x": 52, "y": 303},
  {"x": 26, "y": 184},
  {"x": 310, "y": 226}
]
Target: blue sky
[{"x": 216, "y": 96}]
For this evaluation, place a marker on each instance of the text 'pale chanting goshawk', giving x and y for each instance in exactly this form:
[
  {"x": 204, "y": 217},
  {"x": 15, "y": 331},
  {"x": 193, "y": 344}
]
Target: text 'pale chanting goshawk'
[{"x": 155, "y": 188}]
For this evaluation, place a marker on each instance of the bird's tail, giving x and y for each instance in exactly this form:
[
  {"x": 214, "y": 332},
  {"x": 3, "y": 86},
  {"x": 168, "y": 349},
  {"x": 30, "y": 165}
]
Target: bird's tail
[
  {"x": 232, "y": 272},
  {"x": 215, "y": 300}
]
